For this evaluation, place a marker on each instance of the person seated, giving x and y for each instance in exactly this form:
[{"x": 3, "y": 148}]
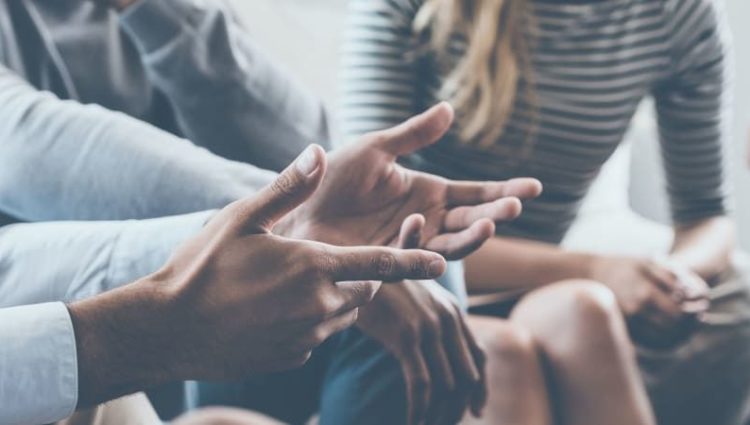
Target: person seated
[
  {"x": 235, "y": 299},
  {"x": 183, "y": 68},
  {"x": 547, "y": 89}
]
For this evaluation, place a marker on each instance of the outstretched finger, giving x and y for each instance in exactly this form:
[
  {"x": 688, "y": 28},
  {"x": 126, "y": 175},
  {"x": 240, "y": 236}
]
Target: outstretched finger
[
  {"x": 455, "y": 246},
  {"x": 504, "y": 209},
  {"x": 382, "y": 264},
  {"x": 290, "y": 189},
  {"x": 416, "y": 133},
  {"x": 472, "y": 193}
]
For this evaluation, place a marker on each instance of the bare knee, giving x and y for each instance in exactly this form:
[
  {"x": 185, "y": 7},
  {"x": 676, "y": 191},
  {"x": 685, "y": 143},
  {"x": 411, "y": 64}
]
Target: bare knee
[
  {"x": 578, "y": 300},
  {"x": 224, "y": 416},
  {"x": 510, "y": 349},
  {"x": 570, "y": 313}
]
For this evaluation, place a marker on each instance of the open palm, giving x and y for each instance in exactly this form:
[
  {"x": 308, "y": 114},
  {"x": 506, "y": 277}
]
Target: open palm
[{"x": 366, "y": 195}]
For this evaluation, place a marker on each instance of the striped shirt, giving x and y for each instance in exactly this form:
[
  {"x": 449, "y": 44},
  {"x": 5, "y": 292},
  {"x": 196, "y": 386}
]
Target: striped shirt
[{"x": 593, "y": 63}]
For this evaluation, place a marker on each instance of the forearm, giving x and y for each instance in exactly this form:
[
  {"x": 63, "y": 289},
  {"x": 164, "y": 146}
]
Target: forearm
[
  {"x": 228, "y": 95},
  {"x": 705, "y": 247},
  {"x": 83, "y": 259},
  {"x": 61, "y": 160},
  {"x": 120, "y": 343},
  {"x": 506, "y": 264}
]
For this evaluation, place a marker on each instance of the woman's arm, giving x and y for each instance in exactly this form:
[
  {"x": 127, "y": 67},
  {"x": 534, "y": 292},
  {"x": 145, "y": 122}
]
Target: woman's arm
[
  {"x": 508, "y": 264},
  {"x": 693, "y": 106},
  {"x": 705, "y": 247}
]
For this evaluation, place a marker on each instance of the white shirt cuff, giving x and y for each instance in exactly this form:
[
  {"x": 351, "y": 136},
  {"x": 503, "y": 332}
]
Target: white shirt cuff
[{"x": 38, "y": 364}]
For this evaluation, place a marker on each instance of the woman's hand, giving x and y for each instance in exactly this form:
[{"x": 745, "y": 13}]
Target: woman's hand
[
  {"x": 421, "y": 324},
  {"x": 658, "y": 299}
]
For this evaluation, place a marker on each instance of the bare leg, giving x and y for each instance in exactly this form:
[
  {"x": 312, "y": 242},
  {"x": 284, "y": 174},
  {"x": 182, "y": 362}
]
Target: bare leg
[
  {"x": 517, "y": 391},
  {"x": 585, "y": 346},
  {"x": 224, "y": 416}
]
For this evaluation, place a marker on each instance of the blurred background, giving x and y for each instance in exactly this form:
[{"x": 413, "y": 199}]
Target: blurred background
[{"x": 305, "y": 35}]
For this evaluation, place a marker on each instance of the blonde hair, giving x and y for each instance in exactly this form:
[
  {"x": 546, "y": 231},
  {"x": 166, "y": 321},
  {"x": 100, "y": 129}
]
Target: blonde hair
[{"x": 484, "y": 86}]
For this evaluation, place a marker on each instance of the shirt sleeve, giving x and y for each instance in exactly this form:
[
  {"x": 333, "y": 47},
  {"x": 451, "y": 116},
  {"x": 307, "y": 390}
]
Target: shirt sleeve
[
  {"x": 38, "y": 365},
  {"x": 693, "y": 106},
  {"x": 62, "y": 160},
  {"x": 69, "y": 261},
  {"x": 228, "y": 95},
  {"x": 379, "y": 78}
]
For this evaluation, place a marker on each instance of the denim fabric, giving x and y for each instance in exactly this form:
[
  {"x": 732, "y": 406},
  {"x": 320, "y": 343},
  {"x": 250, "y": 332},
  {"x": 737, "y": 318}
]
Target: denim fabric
[{"x": 350, "y": 379}]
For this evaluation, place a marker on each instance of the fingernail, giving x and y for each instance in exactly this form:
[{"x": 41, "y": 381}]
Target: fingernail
[
  {"x": 307, "y": 163},
  {"x": 437, "y": 268}
]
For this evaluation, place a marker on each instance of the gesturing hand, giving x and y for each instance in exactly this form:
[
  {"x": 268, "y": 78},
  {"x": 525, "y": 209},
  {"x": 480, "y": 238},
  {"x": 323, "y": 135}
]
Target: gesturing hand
[
  {"x": 442, "y": 364},
  {"x": 659, "y": 299},
  {"x": 237, "y": 299},
  {"x": 366, "y": 194}
]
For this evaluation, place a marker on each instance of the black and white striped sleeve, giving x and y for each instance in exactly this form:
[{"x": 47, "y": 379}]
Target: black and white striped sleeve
[
  {"x": 379, "y": 80},
  {"x": 693, "y": 106}
]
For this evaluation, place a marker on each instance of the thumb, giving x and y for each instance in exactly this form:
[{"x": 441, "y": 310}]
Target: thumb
[
  {"x": 416, "y": 133},
  {"x": 290, "y": 189}
]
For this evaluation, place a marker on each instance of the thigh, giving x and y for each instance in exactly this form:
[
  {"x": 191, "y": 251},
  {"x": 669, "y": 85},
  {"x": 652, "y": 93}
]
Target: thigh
[{"x": 706, "y": 380}]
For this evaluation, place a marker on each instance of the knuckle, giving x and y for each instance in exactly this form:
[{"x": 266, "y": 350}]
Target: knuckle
[
  {"x": 284, "y": 184},
  {"x": 323, "y": 306},
  {"x": 419, "y": 267},
  {"x": 324, "y": 263},
  {"x": 385, "y": 263}
]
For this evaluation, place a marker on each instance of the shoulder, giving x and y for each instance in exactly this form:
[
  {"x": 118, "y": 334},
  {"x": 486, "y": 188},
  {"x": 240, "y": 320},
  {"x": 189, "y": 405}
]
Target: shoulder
[{"x": 700, "y": 12}]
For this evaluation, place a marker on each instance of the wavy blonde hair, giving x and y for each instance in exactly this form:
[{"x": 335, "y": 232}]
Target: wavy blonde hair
[{"x": 483, "y": 87}]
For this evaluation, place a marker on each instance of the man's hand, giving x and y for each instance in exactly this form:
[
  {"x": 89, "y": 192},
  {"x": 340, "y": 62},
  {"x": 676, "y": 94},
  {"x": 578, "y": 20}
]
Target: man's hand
[
  {"x": 236, "y": 299},
  {"x": 442, "y": 364},
  {"x": 660, "y": 300},
  {"x": 366, "y": 195}
]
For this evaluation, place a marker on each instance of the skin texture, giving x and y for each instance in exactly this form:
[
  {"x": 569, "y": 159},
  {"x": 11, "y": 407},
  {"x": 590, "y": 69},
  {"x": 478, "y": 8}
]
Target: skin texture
[
  {"x": 224, "y": 416},
  {"x": 660, "y": 299},
  {"x": 442, "y": 364},
  {"x": 236, "y": 299},
  {"x": 553, "y": 335},
  {"x": 278, "y": 293},
  {"x": 577, "y": 327},
  {"x": 367, "y": 195}
]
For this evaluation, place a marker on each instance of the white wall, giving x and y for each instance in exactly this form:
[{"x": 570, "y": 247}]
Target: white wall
[
  {"x": 305, "y": 35},
  {"x": 739, "y": 15}
]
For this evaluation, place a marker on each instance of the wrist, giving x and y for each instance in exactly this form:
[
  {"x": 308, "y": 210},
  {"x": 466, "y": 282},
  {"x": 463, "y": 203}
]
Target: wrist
[
  {"x": 589, "y": 265},
  {"x": 121, "y": 346}
]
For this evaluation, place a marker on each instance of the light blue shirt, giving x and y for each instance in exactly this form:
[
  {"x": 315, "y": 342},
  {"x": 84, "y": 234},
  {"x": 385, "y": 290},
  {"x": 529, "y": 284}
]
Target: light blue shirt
[
  {"x": 174, "y": 68},
  {"x": 41, "y": 263},
  {"x": 38, "y": 369}
]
